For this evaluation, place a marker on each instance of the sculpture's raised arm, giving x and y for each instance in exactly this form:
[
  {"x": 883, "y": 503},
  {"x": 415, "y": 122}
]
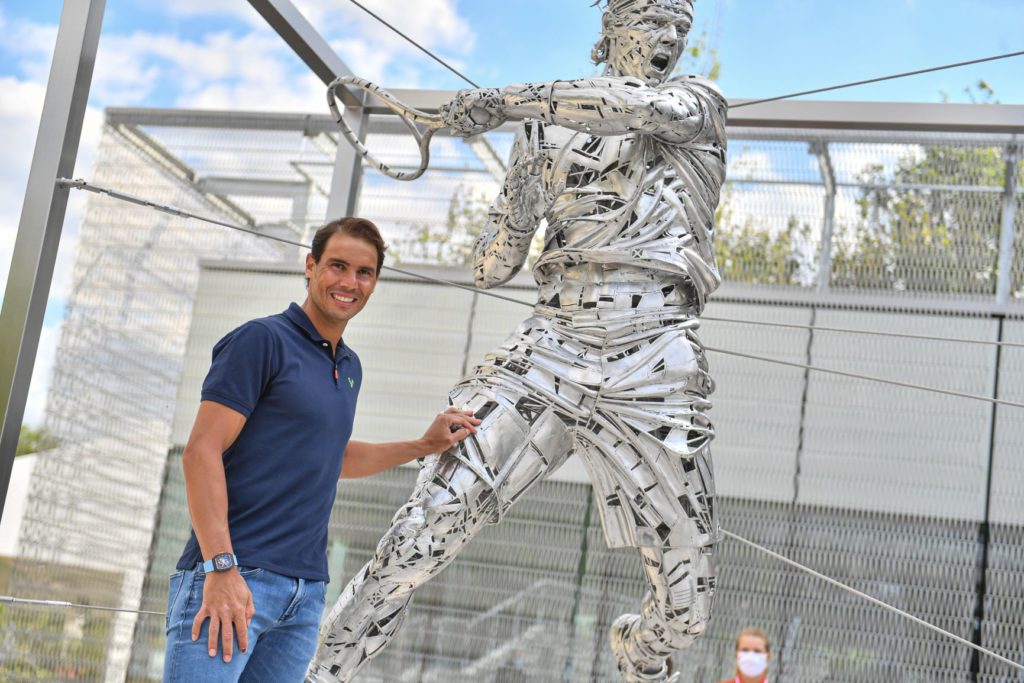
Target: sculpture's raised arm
[{"x": 674, "y": 112}]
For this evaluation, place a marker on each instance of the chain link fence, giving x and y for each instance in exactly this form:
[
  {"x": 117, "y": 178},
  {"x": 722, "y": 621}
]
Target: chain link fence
[{"x": 909, "y": 497}]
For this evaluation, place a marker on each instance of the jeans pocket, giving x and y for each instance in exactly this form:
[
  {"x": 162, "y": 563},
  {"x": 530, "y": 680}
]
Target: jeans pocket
[
  {"x": 175, "y": 582},
  {"x": 250, "y": 572}
]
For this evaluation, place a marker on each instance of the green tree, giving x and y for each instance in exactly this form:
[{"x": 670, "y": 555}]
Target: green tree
[
  {"x": 933, "y": 227},
  {"x": 700, "y": 57},
  {"x": 35, "y": 441},
  {"x": 452, "y": 243}
]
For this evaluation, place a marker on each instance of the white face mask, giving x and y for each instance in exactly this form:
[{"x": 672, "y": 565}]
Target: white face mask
[{"x": 752, "y": 663}]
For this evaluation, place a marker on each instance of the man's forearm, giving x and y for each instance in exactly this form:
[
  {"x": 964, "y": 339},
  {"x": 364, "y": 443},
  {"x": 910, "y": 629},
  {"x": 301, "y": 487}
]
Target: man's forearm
[
  {"x": 363, "y": 459},
  {"x": 207, "y": 493}
]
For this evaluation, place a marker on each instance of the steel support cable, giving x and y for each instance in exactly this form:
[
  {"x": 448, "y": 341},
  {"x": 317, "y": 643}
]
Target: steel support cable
[
  {"x": 84, "y": 185},
  {"x": 79, "y": 184},
  {"x": 421, "y": 48},
  {"x": 875, "y": 601},
  {"x": 879, "y": 79},
  {"x": 756, "y": 546},
  {"x": 851, "y": 84},
  {"x": 873, "y": 333},
  {"x": 11, "y": 600},
  {"x": 870, "y": 378}
]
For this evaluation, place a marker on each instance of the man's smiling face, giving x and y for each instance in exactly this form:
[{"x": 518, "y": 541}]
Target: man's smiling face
[
  {"x": 342, "y": 282},
  {"x": 646, "y": 41}
]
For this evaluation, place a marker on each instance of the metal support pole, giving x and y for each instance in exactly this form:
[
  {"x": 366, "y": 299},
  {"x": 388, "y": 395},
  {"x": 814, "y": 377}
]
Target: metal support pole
[
  {"x": 348, "y": 168},
  {"x": 1006, "y": 230},
  {"x": 42, "y": 216},
  {"x": 828, "y": 177},
  {"x": 309, "y": 45}
]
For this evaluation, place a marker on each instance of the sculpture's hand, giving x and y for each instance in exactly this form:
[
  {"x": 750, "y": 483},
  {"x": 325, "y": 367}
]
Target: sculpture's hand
[
  {"x": 524, "y": 189},
  {"x": 472, "y": 112},
  {"x": 528, "y": 197}
]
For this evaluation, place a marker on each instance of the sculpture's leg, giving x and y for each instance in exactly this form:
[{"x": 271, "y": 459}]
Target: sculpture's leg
[
  {"x": 448, "y": 506},
  {"x": 681, "y": 580},
  {"x": 516, "y": 446}
]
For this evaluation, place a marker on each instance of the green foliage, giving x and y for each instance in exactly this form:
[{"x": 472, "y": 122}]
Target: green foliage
[
  {"x": 980, "y": 93},
  {"x": 700, "y": 58},
  {"x": 452, "y": 245},
  {"x": 919, "y": 231},
  {"x": 35, "y": 440},
  {"x": 749, "y": 253}
]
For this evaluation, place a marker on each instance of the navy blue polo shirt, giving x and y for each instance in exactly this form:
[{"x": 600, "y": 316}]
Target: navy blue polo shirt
[{"x": 282, "y": 470}]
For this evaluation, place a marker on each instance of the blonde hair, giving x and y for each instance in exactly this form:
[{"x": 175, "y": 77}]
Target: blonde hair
[{"x": 756, "y": 633}]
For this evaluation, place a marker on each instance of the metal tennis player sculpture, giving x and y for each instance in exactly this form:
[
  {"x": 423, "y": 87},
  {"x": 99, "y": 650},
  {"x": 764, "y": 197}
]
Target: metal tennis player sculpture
[{"x": 626, "y": 168}]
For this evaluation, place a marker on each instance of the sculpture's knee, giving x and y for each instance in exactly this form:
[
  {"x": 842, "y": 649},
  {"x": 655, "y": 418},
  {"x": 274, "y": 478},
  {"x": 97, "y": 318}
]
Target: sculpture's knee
[{"x": 420, "y": 542}]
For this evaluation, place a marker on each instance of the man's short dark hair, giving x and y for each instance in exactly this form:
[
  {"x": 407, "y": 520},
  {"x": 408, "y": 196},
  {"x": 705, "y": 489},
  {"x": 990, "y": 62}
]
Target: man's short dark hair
[{"x": 356, "y": 227}]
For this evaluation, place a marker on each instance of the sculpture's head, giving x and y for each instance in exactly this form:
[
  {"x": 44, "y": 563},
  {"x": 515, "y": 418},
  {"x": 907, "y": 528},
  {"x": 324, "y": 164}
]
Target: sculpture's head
[{"x": 643, "y": 38}]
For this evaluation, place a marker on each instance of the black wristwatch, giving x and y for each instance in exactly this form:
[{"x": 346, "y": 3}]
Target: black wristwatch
[{"x": 220, "y": 563}]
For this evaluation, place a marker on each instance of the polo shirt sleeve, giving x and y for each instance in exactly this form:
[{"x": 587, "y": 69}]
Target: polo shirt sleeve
[{"x": 243, "y": 364}]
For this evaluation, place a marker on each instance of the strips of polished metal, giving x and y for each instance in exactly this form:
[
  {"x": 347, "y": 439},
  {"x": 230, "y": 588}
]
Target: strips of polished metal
[
  {"x": 407, "y": 115},
  {"x": 625, "y": 170}
]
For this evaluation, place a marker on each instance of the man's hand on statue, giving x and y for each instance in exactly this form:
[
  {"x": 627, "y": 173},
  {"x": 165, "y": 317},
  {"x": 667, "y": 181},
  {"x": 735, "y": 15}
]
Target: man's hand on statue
[
  {"x": 448, "y": 428},
  {"x": 475, "y": 111}
]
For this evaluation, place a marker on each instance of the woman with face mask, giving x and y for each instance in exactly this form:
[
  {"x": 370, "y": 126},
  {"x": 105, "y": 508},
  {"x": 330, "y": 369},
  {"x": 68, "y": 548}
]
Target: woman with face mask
[{"x": 753, "y": 652}]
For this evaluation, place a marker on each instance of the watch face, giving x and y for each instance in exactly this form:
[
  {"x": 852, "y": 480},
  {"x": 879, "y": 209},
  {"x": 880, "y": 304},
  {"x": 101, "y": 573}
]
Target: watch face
[{"x": 222, "y": 562}]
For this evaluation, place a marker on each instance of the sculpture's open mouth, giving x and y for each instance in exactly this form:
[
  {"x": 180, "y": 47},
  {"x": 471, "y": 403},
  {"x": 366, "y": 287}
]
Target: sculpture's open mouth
[{"x": 660, "y": 62}]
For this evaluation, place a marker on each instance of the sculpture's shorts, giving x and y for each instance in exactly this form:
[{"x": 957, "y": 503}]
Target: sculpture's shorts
[{"x": 624, "y": 391}]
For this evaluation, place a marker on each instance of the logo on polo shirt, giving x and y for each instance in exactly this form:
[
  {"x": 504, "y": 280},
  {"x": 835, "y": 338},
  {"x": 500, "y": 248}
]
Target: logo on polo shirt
[{"x": 351, "y": 383}]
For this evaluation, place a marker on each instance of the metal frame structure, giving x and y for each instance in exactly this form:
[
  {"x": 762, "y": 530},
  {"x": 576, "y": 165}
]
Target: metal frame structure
[
  {"x": 67, "y": 93},
  {"x": 42, "y": 216}
]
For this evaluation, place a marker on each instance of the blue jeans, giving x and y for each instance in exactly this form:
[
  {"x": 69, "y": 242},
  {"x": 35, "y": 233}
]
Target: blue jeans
[{"x": 282, "y": 634}]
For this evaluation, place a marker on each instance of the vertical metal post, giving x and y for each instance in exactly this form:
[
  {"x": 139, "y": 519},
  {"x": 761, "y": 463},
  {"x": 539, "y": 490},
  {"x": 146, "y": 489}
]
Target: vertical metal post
[
  {"x": 1006, "y": 231},
  {"x": 984, "y": 539},
  {"x": 348, "y": 167},
  {"x": 828, "y": 177},
  {"x": 42, "y": 216}
]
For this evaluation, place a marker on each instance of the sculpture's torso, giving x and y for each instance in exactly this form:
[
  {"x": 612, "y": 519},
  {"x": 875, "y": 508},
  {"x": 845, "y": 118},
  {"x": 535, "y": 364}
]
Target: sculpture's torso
[{"x": 632, "y": 218}]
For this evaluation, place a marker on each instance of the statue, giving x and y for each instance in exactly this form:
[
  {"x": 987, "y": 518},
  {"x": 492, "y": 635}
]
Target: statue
[{"x": 626, "y": 168}]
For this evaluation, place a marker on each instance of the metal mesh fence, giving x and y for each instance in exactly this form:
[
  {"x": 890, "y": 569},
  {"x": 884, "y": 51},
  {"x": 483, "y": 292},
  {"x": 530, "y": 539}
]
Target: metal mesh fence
[
  {"x": 533, "y": 598},
  {"x": 883, "y": 489}
]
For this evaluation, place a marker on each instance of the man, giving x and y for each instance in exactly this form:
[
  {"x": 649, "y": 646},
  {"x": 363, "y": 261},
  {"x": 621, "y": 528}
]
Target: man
[
  {"x": 626, "y": 169},
  {"x": 261, "y": 469},
  {"x": 753, "y": 653}
]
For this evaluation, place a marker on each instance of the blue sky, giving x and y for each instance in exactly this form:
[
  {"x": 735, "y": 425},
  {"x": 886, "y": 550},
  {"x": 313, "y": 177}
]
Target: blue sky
[{"x": 219, "y": 54}]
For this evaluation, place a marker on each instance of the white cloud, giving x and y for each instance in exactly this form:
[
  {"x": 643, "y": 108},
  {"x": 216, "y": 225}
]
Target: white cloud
[
  {"x": 368, "y": 47},
  {"x": 20, "y": 105},
  {"x": 435, "y": 24},
  {"x": 35, "y": 408},
  {"x": 249, "y": 68},
  {"x": 31, "y": 44}
]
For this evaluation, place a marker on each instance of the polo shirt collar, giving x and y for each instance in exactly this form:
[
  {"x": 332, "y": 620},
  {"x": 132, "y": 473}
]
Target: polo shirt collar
[{"x": 296, "y": 315}]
